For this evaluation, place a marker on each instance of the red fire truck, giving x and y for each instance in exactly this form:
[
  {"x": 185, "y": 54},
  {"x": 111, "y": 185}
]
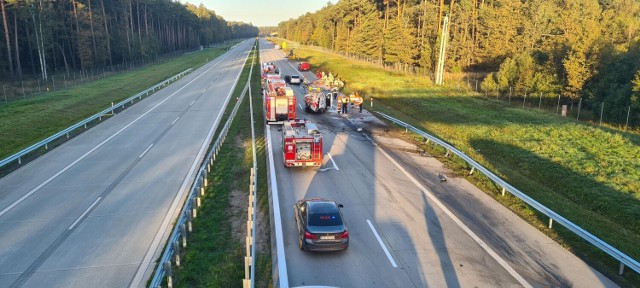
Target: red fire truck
[
  {"x": 301, "y": 144},
  {"x": 280, "y": 102}
]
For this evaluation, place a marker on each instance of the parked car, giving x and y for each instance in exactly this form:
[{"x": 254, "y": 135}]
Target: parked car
[
  {"x": 320, "y": 225},
  {"x": 304, "y": 66}
]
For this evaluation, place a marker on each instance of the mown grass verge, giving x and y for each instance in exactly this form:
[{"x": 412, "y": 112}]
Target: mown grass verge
[
  {"x": 25, "y": 122},
  {"x": 215, "y": 255},
  {"x": 588, "y": 174}
]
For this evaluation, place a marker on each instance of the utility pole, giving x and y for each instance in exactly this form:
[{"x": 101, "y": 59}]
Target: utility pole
[{"x": 443, "y": 48}]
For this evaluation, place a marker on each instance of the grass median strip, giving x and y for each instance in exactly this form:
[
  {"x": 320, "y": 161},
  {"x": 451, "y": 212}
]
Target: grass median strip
[
  {"x": 588, "y": 174},
  {"x": 216, "y": 251}
]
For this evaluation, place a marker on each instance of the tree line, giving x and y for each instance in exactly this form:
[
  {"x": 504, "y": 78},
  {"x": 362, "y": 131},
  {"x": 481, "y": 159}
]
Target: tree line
[
  {"x": 44, "y": 36},
  {"x": 585, "y": 49}
]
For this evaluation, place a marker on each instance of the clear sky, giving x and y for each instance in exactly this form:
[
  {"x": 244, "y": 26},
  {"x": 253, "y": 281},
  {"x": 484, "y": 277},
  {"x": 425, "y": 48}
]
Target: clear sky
[{"x": 261, "y": 12}]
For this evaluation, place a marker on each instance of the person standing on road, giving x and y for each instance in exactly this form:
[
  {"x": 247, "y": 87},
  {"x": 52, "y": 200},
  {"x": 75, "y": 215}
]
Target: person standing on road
[
  {"x": 345, "y": 104},
  {"x": 361, "y": 103}
]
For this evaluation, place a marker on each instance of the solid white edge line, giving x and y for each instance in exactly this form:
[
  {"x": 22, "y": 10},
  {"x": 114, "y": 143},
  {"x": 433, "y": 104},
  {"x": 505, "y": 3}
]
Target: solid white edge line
[
  {"x": 85, "y": 213},
  {"x": 174, "y": 121},
  {"x": 146, "y": 262},
  {"x": 464, "y": 227},
  {"x": 386, "y": 251},
  {"x": 282, "y": 263},
  {"x": 334, "y": 162},
  {"x": 145, "y": 150}
]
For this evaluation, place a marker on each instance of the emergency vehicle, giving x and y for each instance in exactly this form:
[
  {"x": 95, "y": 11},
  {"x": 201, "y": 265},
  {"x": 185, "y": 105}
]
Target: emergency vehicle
[
  {"x": 280, "y": 101},
  {"x": 316, "y": 101},
  {"x": 301, "y": 144},
  {"x": 269, "y": 68}
]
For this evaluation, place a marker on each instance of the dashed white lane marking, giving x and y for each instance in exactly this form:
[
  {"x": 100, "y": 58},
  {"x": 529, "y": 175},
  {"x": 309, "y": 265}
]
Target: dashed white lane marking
[
  {"x": 386, "y": 251},
  {"x": 174, "y": 121},
  {"x": 145, "y": 150},
  {"x": 85, "y": 213},
  {"x": 464, "y": 227},
  {"x": 334, "y": 162},
  {"x": 330, "y": 168}
]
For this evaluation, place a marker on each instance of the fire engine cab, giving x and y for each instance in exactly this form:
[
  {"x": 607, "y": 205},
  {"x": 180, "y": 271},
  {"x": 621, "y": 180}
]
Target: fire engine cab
[
  {"x": 280, "y": 102},
  {"x": 301, "y": 144}
]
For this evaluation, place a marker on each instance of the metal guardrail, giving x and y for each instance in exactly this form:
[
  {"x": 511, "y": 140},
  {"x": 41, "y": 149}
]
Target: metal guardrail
[
  {"x": 121, "y": 105},
  {"x": 250, "y": 243},
  {"x": 624, "y": 259},
  {"x": 189, "y": 211}
]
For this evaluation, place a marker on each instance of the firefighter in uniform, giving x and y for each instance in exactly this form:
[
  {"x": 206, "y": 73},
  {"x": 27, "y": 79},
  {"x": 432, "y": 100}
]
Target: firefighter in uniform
[{"x": 345, "y": 103}]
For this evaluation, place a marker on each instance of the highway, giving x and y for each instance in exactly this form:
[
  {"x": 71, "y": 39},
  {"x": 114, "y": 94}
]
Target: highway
[
  {"x": 407, "y": 228},
  {"x": 95, "y": 212}
]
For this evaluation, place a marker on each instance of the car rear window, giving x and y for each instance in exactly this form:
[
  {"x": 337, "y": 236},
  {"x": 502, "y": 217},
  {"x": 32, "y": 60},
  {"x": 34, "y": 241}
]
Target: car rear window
[
  {"x": 324, "y": 214},
  {"x": 324, "y": 219}
]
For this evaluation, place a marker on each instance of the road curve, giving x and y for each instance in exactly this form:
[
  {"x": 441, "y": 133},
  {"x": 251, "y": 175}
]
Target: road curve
[
  {"x": 407, "y": 228},
  {"x": 95, "y": 211}
]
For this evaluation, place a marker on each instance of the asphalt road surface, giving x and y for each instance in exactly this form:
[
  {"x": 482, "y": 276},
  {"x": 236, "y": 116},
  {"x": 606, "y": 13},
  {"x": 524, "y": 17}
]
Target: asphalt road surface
[
  {"x": 407, "y": 228},
  {"x": 95, "y": 212}
]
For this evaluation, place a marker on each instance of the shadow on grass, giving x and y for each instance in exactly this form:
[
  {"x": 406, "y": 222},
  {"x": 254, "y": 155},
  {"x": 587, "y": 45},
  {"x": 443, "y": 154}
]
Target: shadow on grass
[{"x": 609, "y": 214}]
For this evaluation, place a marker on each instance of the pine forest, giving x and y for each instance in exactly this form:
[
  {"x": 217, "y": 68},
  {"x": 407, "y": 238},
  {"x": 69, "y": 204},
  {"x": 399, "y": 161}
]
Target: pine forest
[
  {"x": 41, "y": 37},
  {"x": 580, "y": 49}
]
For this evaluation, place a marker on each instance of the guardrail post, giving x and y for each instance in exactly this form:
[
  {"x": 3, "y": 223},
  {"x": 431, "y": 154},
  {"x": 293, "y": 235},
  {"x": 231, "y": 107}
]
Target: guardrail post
[
  {"x": 189, "y": 226},
  {"x": 247, "y": 265},
  {"x": 503, "y": 191},
  {"x": 472, "y": 169},
  {"x": 67, "y": 135},
  {"x": 194, "y": 210},
  {"x": 198, "y": 202},
  {"x": 167, "y": 270},
  {"x": 183, "y": 232},
  {"x": 176, "y": 250},
  {"x": 621, "y": 270},
  {"x": 247, "y": 242},
  {"x": 19, "y": 160},
  {"x": 112, "y": 111},
  {"x": 46, "y": 146},
  {"x": 447, "y": 154},
  {"x": 550, "y": 222}
]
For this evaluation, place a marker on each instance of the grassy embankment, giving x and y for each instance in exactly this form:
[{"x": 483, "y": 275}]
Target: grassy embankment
[
  {"x": 215, "y": 254},
  {"x": 25, "y": 122},
  {"x": 588, "y": 174}
]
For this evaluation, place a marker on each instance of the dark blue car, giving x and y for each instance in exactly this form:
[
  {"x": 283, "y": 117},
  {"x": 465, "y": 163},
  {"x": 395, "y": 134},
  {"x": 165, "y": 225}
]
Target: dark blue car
[{"x": 320, "y": 225}]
